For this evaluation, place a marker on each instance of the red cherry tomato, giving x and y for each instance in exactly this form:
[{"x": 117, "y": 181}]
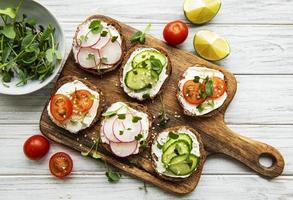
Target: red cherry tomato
[
  {"x": 219, "y": 87},
  {"x": 61, "y": 107},
  {"x": 60, "y": 165},
  {"x": 191, "y": 92},
  {"x": 82, "y": 101},
  {"x": 175, "y": 32},
  {"x": 36, "y": 147}
]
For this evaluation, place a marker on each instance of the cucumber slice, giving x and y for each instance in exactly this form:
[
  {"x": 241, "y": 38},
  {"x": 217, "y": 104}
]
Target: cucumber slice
[
  {"x": 145, "y": 55},
  {"x": 179, "y": 147},
  {"x": 141, "y": 78},
  {"x": 183, "y": 165},
  {"x": 144, "y": 64},
  {"x": 181, "y": 136}
]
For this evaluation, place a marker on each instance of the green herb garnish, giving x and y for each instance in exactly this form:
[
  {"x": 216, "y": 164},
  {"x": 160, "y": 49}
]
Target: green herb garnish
[
  {"x": 139, "y": 36},
  {"x": 112, "y": 176},
  {"x": 135, "y": 119},
  {"x": 104, "y": 33},
  {"x": 156, "y": 64},
  {"x": 121, "y": 116},
  {"x": 114, "y": 38},
  {"x": 209, "y": 88},
  {"x": 138, "y": 137},
  {"x": 173, "y": 135},
  {"x": 121, "y": 132},
  {"x": 96, "y": 26},
  {"x": 146, "y": 96},
  {"x": 196, "y": 79}
]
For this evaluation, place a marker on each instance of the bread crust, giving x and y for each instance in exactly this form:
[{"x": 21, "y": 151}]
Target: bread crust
[
  {"x": 186, "y": 112},
  {"x": 109, "y": 21},
  {"x": 140, "y": 108},
  {"x": 102, "y": 102},
  {"x": 168, "y": 67},
  {"x": 201, "y": 159}
]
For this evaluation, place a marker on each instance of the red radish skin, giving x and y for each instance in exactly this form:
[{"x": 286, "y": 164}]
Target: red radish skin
[
  {"x": 103, "y": 41},
  {"x": 123, "y": 149},
  {"x": 123, "y": 125},
  {"x": 108, "y": 129},
  {"x": 82, "y": 58},
  {"x": 112, "y": 52}
]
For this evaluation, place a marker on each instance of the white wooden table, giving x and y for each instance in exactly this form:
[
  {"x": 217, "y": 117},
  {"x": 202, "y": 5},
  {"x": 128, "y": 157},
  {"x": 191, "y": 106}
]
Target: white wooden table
[{"x": 261, "y": 38}]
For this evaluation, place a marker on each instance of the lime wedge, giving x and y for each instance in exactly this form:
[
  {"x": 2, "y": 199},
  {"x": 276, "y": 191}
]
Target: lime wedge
[
  {"x": 210, "y": 45},
  {"x": 201, "y": 11}
]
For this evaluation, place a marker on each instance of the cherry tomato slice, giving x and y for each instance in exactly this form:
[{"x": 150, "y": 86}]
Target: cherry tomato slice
[
  {"x": 191, "y": 92},
  {"x": 82, "y": 101},
  {"x": 220, "y": 87},
  {"x": 61, "y": 107},
  {"x": 36, "y": 147},
  {"x": 175, "y": 32},
  {"x": 60, "y": 164}
]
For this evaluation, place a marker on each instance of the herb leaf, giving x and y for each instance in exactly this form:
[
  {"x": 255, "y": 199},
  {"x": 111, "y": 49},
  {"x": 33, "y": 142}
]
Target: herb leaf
[
  {"x": 156, "y": 64},
  {"x": 196, "y": 79},
  {"x": 114, "y": 38},
  {"x": 8, "y": 31},
  {"x": 173, "y": 135},
  {"x": 112, "y": 176},
  {"x": 135, "y": 119},
  {"x": 139, "y": 36},
  {"x": 104, "y": 33},
  {"x": 209, "y": 88},
  {"x": 96, "y": 26},
  {"x": 121, "y": 116},
  {"x": 11, "y": 12}
]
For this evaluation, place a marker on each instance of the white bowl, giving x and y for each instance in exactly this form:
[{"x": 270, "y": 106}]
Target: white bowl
[{"x": 44, "y": 17}]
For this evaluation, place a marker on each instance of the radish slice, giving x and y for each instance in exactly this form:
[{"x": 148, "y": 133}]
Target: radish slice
[
  {"x": 103, "y": 137},
  {"x": 85, "y": 60},
  {"x": 129, "y": 129},
  {"x": 108, "y": 129},
  {"x": 89, "y": 38},
  {"x": 123, "y": 149},
  {"x": 112, "y": 53},
  {"x": 103, "y": 41}
]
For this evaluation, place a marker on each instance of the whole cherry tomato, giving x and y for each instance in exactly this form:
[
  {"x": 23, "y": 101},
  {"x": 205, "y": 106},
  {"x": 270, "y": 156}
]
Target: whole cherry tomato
[
  {"x": 175, "y": 32},
  {"x": 36, "y": 147}
]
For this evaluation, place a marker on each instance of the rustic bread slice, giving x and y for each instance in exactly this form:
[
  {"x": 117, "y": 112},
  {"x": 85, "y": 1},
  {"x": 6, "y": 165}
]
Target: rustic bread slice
[
  {"x": 109, "y": 21},
  {"x": 160, "y": 49},
  {"x": 201, "y": 159},
  {"x": 67, "y": 79},
  {"x": 186, "y": 112},
  {"x": 140, "y": 108}
]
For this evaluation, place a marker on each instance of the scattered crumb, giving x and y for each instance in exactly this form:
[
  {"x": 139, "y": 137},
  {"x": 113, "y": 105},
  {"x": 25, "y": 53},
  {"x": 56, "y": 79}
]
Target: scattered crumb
[
  {"x": 153, "y": 128},
  {"x": 77, "y": 139},
  {"x": 116, "y": 84},
  {"x": 175, "y": 113},
  {"x": 85, "y": 78},
  {"x": 85, "y": 135},
  {"x": 80, "y": 145}
]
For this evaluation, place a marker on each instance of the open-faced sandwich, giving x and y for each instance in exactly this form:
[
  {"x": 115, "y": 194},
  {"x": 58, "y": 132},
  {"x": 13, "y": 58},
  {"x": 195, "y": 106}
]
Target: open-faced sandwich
[
  {"x": 201, "y": 91},
  {"x": 76, "y": 104},
  {"x": 125, "y": 128},
  {"x": 177, "y": 153},
  {"x": 98, "y": 45},
  {"x": 144, "y": 72}
]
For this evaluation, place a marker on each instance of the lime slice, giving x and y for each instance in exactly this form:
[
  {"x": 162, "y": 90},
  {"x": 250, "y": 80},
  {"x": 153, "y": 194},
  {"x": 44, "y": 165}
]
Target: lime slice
[
  {"x": 210, "y": 45},
  {"x": 201, "y": 11}
]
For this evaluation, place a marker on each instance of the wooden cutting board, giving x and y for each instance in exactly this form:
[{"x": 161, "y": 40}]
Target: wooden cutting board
[{"x": 216, "y": 136}]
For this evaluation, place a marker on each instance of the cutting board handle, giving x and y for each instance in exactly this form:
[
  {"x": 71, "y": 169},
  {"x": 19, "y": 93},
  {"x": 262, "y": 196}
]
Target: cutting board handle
[{"x": 247, "y": 151}]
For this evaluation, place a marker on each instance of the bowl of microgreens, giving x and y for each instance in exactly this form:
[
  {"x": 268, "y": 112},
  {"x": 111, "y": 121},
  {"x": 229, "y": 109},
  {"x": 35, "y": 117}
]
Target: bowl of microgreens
[{"x": 32, "y": 47}]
